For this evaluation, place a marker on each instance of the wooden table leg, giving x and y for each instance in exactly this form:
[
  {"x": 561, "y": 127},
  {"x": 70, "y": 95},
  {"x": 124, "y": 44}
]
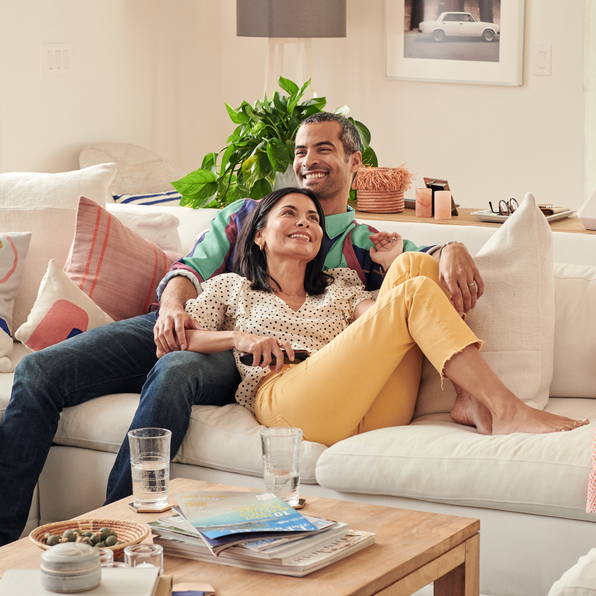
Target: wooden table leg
[{"x": 463, "y": 580}]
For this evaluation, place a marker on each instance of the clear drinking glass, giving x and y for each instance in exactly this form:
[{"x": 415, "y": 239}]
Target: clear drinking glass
[
  {"x": 144, "y": 555},
  {"x": 106, "y": 557},
  {"x": 281, "y": 462},
  {"x": 150, "y": 466}
]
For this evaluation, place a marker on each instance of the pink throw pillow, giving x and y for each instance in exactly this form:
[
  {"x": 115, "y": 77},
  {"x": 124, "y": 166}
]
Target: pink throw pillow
[{"x": 113, "y": 265}]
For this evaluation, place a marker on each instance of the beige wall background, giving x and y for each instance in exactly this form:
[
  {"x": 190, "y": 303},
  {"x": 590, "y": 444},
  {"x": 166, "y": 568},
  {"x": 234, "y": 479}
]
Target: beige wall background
[{"x": 156, "y": 73}]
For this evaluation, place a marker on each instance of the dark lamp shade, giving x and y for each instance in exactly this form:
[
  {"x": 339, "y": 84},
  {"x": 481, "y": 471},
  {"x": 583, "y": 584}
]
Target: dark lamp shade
[{"x": 291, "y": 18}]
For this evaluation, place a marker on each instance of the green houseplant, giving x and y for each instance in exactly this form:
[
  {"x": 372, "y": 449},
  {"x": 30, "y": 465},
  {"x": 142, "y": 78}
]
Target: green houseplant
[{"x": 260, "y": 148}]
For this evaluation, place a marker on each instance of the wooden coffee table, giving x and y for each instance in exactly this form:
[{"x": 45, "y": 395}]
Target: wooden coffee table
[{"x": 413, "y": 549}]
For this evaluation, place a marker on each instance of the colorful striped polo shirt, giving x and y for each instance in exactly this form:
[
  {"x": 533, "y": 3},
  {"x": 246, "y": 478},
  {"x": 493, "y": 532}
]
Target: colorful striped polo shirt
[{"x": 346, "y": 244}]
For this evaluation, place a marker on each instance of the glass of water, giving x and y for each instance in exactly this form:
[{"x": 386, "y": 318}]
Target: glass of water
[
  {"x": 144, "y": 555},
  {"x": 281, "y": 462},
  {"x": 150, "y": 466}
]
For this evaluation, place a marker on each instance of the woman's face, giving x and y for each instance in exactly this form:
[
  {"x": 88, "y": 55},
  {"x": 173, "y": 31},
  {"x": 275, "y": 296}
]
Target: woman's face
[{"x": 292, "y": 229}]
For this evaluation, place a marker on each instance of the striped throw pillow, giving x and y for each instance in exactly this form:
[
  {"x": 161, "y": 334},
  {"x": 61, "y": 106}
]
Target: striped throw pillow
[
  {"x": 171, "y": 197},
  {"x": 113, "y": 265}
]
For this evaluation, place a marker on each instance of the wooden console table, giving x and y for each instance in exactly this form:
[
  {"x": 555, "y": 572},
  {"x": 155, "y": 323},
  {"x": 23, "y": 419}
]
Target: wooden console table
[{"x": 569, "y": 224}]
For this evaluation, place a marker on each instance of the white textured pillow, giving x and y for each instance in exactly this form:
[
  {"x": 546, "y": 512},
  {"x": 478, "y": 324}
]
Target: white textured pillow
[
  {"x": 515, "y": 317},
  {"x": 51, "y": 234},
  {"x": 13, "y": 250},
  {"x": 574, "y": 372},
  {"x": 45, "y": 205},
  {"x": 151, "y": 224},
  {"x": 36, "y": 190},
  {"x": 60, "y": 311}
]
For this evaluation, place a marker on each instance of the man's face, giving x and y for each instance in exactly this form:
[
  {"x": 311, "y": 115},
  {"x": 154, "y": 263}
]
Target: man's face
[{"x": 320, "y": 162}]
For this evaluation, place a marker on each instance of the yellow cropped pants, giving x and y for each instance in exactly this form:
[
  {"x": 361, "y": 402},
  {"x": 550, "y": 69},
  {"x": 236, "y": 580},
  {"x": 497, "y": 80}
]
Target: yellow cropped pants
[{"x": 367, "y": 377}]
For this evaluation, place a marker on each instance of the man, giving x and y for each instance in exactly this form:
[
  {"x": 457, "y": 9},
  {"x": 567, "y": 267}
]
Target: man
[{"x": 121, "y": 357}]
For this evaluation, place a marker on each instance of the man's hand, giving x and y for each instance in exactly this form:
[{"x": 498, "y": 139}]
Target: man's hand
[
  {"x": 386, "y": 248},
  {"x": 459, "y": 277},
  {"x": 169, "y": 332}
]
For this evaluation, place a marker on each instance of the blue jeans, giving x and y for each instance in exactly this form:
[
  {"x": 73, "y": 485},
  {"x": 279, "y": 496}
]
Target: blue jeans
[{"x": 116, "y": 358}]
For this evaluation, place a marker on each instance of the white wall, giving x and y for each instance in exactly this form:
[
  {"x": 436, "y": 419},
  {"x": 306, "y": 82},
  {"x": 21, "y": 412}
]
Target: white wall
[
  {"x": 518, "y": 139},
  {"x": 139, "y": 71},
  {"x": 156, "y": 73}
]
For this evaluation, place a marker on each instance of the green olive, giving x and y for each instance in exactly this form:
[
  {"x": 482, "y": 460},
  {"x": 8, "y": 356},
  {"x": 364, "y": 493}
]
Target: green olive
[
  {"x": 101, "y": 544},
  {"x": 70, "y": 535},
  {"x": 52, "y": 540},
  {"x": 111, "y": 540},
  {"x": 105, "y": 532},
  {"x": 88, "y": 534},
  {"x": 97, "y": 537}
]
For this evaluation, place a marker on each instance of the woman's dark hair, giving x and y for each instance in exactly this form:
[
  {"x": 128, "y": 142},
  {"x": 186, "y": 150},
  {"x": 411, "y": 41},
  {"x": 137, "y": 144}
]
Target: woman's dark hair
[{"x": 251, "y": 261}]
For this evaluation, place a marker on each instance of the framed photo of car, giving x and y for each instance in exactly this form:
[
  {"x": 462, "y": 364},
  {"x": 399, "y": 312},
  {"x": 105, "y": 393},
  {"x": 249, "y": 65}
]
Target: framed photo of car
[{"x": 455, "y": 41}]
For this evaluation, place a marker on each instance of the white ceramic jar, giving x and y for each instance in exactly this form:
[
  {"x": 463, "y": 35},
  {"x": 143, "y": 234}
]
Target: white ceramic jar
[{"x": 70, "y": 567}]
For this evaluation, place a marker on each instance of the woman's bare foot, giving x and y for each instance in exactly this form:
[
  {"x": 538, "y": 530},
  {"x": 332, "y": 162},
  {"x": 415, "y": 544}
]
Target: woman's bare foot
[
  {"x": 525, "y": 419},
  {"x": 469, "y": 411}
]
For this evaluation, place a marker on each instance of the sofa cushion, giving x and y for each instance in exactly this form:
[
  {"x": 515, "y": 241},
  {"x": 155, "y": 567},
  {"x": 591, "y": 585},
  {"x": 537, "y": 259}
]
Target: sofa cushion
[
  {"x": 579, "y": 580},
  {"x": 224, "y": 438},
  {"x": 169, "y": 197},
  {"x": 60, "y": 311},
  {"x": 515, "y": 316},
  {"x": 154, "y": 225},
  {"x": 38, "y": 190},
  {"x": 113, "y": 265},
  {"x": 13, "y": 250},
  {"x": 574, "y": 372},
  {"x": 434, "y": 459},
  {"x": 139, "y": 169},
  {"x": 45, "y": 205}
]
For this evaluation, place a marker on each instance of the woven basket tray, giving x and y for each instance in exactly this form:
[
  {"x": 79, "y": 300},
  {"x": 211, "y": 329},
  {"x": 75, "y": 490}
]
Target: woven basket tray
[
  {"x": 380, "y": 201},
  {"x": 127, "y": 532}
]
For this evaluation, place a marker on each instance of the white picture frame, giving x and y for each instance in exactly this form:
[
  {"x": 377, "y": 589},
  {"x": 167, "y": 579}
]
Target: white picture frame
[{"x": 506, "y": 70}]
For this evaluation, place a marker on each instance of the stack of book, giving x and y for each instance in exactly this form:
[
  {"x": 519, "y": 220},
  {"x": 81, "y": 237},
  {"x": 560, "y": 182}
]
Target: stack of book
[{"x": 256, "y": 531}]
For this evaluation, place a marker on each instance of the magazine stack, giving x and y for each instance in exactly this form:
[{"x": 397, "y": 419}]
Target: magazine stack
[{"x": 256, "y": 531}]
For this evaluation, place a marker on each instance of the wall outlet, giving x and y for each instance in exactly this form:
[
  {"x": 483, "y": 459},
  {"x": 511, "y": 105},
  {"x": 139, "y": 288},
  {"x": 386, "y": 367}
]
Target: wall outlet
[
  {"x": 542, "y": 59},
  {"x": 56, "y": 57}
]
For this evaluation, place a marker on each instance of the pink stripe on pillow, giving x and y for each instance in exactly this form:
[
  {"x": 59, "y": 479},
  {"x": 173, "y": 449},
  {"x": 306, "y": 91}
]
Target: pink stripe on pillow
[
  {"x": 102, "y": 254},
  {"x": 112, "y": 264},
  {"x": 91, "y": 250},
  {"x": 591, "y": 501}
]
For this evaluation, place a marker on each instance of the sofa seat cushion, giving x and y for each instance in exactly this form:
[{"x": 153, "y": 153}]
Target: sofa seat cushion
[
  {"x": 224, "y": 438},
  {"x": 434, "y": 459}
]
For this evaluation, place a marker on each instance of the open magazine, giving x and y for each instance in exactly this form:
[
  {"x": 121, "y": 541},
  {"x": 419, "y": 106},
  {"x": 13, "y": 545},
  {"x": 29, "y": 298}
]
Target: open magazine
[{"x": 255, "y": 531}]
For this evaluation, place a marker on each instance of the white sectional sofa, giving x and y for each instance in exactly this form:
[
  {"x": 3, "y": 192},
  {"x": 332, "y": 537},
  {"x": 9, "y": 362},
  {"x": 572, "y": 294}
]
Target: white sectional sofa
[{"x": 528, "y": 490}]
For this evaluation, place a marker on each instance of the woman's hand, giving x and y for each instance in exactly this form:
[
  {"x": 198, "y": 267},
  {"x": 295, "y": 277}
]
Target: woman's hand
[
  {"x": 386, "y": 248},
  {"x": 263, "y": 349}
]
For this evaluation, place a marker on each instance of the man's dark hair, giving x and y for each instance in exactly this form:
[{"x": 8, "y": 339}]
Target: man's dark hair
[
  {"x": 349, "y": 135},
  {"x": 251, "y": 261}
]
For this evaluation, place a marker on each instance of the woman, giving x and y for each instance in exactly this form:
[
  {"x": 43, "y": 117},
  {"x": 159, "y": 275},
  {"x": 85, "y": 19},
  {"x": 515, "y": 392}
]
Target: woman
[{"x": 359, "y": 347}]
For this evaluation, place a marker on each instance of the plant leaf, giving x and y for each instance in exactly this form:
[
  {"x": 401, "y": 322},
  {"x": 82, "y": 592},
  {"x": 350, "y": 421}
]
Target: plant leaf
[
  {"x": 280, "y": 102},
  {"x": 236, "y": 117},
  {"x": 289, "y": 86},
  {"x": 369, "y": 157},
  {"x": 208, "y": 162},
  {"x": 192, "y": 183},
  {"x": 260, "y": 188},
  {"x": 364, "y": 132},
  {"x": 278, "y": 155}
]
